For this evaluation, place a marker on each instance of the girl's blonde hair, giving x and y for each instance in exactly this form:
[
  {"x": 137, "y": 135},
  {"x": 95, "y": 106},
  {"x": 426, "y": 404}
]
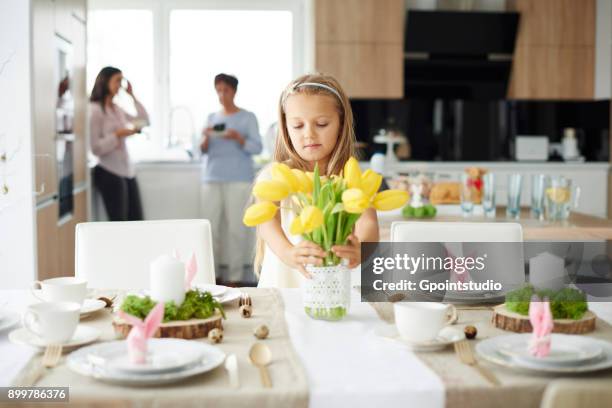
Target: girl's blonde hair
[{"x": 285, "y": 152}]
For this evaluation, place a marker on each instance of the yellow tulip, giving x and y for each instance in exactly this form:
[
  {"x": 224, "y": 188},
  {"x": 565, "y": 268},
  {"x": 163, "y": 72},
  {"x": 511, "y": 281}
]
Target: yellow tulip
[
  {"x": 390, "y": 199},
  {"x": 355, "y": 201},
  {"x": 306, "y": 183},
  {"x": 271, "y": 190},
  {"x": 259, "y": 213},
  {"x": 352, "y": 173},
  {"x": 281, "y": 172},
  {"x": 311, "y": 218},
  {"x": 370, "y": 182},
  {"x": 296, "y": 227}
]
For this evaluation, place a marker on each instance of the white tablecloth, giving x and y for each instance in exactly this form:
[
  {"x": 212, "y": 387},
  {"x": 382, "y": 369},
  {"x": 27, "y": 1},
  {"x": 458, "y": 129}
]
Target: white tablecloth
[{"x": 346, "y": 364}]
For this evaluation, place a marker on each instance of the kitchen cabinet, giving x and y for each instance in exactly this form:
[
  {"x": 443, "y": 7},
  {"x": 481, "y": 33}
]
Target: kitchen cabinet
[
  {"x": 567, "y": 23},
  {"x": 359, "y": 69},
  {"x": 44, "y": 97},
  {"x": 47, "y": 241},
  {"x": 555, "y": 50},
  {"x": 542, "y": 72},
  {"x": 359, "y": 21},
  {"x": 52, "y": 19},
  {"x": 360, "y": 43},
  {"x": 81, "y": 101}
]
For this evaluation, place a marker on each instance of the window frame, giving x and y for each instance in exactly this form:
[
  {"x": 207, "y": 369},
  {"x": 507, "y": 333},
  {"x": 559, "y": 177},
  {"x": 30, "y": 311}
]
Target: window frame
[{"x": 302, "y": 44}]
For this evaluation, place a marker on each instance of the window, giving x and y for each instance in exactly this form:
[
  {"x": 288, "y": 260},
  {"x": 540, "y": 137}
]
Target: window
[
  {"x": 171, "y": 51},
  {"x": 253, "y": 45},
  {"x": 123, "y": 39}
]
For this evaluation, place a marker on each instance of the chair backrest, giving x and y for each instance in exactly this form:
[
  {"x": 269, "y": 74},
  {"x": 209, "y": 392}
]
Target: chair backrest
[{"x": 116, "y": 255}]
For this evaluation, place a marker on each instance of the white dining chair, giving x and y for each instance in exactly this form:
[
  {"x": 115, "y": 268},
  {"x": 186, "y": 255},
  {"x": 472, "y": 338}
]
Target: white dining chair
[
  {"x": 116, "y": 255},
  {"x": 509, "y": 260}
]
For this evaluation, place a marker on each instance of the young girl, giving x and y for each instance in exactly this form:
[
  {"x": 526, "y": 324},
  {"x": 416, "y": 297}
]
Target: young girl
[{"x": 315, "y": 127}]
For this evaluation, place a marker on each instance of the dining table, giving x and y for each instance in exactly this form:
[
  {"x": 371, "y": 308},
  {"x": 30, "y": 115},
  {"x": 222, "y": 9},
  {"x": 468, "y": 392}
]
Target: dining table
[{"x": 315, "y": 363}]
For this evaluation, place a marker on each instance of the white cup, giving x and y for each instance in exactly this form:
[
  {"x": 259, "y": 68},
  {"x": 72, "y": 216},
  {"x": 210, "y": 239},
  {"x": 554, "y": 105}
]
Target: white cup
[
  {"x": 422, "y": 321},
  {"x": 66, "y": 289},
  {"x": 53, "y": 322}
]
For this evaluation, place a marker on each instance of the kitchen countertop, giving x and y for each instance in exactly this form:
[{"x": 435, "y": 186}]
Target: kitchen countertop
[{"x": 580, "y": 227}]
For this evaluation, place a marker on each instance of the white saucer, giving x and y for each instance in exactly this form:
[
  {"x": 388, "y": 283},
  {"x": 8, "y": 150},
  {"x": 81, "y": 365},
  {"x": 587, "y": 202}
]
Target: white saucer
[
  {"x": 8, "y": 320},
  {"x": 82, "y": 335},
  {"x": 91, "y": 306},
  {"x": 446, "y": 337},
  {"x": 215, "y": 290}
]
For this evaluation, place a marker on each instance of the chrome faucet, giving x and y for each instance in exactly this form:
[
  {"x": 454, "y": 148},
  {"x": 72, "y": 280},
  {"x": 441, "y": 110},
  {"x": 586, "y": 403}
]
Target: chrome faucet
[{"x": 172, "y": 141}]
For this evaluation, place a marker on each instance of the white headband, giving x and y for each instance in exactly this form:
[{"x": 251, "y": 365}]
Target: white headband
[{"x": 315, "y": 85}]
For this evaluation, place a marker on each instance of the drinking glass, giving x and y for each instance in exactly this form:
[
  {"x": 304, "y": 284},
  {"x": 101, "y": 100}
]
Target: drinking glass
[
  {"x": 467, "y": 195},
  {"x": 538, "y": 184},
  {"x": 488, "y": 195},
  {"x": 560, "y": 197},
  {"x": 515, "y": 184}
]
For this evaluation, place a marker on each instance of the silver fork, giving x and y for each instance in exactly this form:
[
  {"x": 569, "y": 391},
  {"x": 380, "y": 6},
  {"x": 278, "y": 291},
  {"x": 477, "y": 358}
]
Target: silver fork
[
  {"x": 52, "y": 356},
  {"x": 466, "y": 356},
  {"x": 245, "y": 299}
]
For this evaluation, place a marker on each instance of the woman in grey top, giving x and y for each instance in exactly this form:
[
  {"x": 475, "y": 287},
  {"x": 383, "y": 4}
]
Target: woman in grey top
[{"x": 110, "y": 125}]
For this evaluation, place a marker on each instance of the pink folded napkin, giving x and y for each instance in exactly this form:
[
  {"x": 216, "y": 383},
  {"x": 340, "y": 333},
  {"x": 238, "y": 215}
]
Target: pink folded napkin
[
  {"x": 191, "y": 269},
  {"x": 541, "y": 320},
  {"x": 141, "y": 332}
]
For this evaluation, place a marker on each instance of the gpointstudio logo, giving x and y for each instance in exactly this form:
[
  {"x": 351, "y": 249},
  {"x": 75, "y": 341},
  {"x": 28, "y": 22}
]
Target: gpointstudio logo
[{"x": 422, "y": 263}]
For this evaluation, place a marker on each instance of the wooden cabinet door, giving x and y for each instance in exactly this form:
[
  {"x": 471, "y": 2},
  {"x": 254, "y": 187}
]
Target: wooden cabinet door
[
  {"x": 556, "y": 22},
  {"x": 380, "y": 21},
  {"x": 44, "y": 97},
  {"x": 364, "y": 70},
  {"x": 552, "y": 73},
  {"x": 48, "y": 242},
  {"x": 67, "y": 234}
]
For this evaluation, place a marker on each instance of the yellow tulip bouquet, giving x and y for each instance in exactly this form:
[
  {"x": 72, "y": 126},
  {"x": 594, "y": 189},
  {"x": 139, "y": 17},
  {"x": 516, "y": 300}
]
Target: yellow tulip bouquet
[{"x": 326, "y": 208}]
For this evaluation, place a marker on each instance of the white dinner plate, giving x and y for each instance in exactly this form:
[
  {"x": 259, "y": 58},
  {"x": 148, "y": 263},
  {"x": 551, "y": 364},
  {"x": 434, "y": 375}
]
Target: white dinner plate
[
  {"x": 79, "y": 362},
  {"x": 91, "y": 306},
  {"x": 166, "y": 354},
  {"x": 446, "y": 337},
  {"x": 231, "y": 295},
  {"x": 564, "y": 350},
  {"x": 82, "y": 335},
  {"x": 8, "y": 320},
  {"x": 489, "y": 350},
  {"x": 215, "y": 290}
]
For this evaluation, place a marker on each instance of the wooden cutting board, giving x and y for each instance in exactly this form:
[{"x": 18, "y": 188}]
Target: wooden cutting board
[
  {"x": 506, "y": 320},
  {"x": 179, "y": 329}
]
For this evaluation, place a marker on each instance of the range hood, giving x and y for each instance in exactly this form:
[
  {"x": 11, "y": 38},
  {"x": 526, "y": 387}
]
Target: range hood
[{"x": 458, "y": 54}]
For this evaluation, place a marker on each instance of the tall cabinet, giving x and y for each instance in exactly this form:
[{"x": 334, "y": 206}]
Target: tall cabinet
[
  {"x": 57, "y": 24},
  {"x": 555, "y": 50},
  {"x": 360, "y": 42}
]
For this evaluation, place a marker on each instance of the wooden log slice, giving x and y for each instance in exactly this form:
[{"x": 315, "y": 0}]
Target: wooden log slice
[
  {"x": 506, "y": 320},
  {"x": 179, "y": 329}
]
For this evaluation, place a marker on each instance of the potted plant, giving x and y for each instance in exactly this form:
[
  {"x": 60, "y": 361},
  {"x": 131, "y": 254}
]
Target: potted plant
[{"x": 326, "y": 210}]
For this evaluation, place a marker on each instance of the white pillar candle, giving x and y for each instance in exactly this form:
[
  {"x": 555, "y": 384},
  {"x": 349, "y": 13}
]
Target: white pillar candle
[
  {"x": 167, "y": 280},
  {"x": 547, "y": 271}
]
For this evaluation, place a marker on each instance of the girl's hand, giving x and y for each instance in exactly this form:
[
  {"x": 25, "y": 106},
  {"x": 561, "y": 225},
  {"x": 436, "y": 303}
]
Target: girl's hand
[
  {"x": 125, "y": 132},
  {"x": 305, "y": 253},
  {"x": 351, "y": 251}
]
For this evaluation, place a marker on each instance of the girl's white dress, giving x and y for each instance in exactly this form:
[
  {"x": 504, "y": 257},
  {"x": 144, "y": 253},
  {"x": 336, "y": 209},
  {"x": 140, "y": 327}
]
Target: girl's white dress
[{"x": 274, "y": 273}]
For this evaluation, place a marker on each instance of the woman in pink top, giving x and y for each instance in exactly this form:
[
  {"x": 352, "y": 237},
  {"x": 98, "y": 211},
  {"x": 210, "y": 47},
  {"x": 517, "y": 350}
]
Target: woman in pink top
[{"x": 110, "y": 125}]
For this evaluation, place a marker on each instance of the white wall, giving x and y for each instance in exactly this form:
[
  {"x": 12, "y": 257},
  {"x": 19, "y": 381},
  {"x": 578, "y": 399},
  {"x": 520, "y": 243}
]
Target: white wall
[{"x": 17, "y": 248}]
